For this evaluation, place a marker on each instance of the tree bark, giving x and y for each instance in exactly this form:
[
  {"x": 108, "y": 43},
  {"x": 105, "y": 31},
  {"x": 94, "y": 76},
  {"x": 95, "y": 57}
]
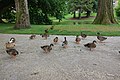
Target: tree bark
[
  {"x": 22, "y": 14},
  {"x": 79, "y": 14},
  {"x": 105, "y": 13},
  {"x": 88, "y": 14},
  {"x": 74, "y": 15}
]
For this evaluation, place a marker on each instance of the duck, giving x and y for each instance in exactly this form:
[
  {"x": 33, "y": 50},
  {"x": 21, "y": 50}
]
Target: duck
[
  {"x": 83, "y": 35},
  {"x": 91, "y": 45},
  {"x": 52, "y": 27},
  {"x": 12, "y": 40},
  {"x": 10, "y": 45},
  {"x": 12, "y": 52},
  {"x": 46, "y": 30},
  {"x": 100, "y": 38},
  {"x": 55, "y": 40},
  {"x": 77, "y": 39},
  {"x": 45, "y": 35},
  {"x": 32, "y": 36},
  {"x": 65, "y": 43},
  {"x": 47, "y": 48}
]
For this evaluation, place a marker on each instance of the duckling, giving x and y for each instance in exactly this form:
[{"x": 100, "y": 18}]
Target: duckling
[
  {"x": 91, "y": 45},
  {"x": 65, "y": 43},
  {"x": 55, "y": 40},
  {"x": 32, "y": 36},
  {"x": 10, "y": 45},
  {"x": 12, "y": 52},
  {"x": 83, "y": 35},
  {"x": 77, "y": 39},
  {"x": 101, "y": 38},
  {"x": 45, "y": 35},
  {"x": 12, "y": 40},
  {"x": 47, "y": 48},
  {"x": 52, "y": 27}
]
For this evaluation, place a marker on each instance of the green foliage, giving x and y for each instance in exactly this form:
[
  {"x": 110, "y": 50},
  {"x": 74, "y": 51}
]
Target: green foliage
[
  {"x": 85, "y": 5},
  {"x": 117, "y": 10},
  {"x": 40, "y": 10}
]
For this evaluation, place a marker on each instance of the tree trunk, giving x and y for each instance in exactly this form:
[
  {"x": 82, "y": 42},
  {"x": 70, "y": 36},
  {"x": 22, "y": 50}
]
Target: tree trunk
[
  {"x": 22, "y": 14},
  {"x": 74, "y": 16},
  {"x": 88, "y": 14},
  {"x": 105, "y": 13},
  {"x": 79, "y": 14}
]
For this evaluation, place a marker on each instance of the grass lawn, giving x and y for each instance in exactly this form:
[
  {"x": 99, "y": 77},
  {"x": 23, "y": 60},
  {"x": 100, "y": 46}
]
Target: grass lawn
[{"x": 66, "y": 27}]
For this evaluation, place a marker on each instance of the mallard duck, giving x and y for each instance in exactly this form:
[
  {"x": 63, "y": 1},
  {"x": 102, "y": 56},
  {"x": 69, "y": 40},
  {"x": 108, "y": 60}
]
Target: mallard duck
[
  {"x": 47, "y": 48},
  {"x": 10, "y": 45},
  {"x": 12, "y": 40},
  {"x": 77, "y": 39},
  {"x": 83, "y": 35},
  {"x": 12, "y": 52},
  {"x": 91, "y": 45},
  {"x": 101, "y": 38},
  {"x": 32, "y": 36},
  {"x": 55, "y": 40},
  {"x": 65, "y": 43},
  {"x": 45, "y": 35},
  {"x": 46, "y": 30},
  {"x": 52, "y": 27}
]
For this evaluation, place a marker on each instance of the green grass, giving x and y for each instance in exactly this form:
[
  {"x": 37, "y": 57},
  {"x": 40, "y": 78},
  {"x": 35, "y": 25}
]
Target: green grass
[
  {"x": 66, "y": 27},
  {"x": 90, "y": 29}
]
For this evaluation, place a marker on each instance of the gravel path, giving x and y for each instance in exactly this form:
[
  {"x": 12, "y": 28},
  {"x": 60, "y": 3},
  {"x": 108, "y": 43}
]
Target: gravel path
[{"x": 74, "y": 63}]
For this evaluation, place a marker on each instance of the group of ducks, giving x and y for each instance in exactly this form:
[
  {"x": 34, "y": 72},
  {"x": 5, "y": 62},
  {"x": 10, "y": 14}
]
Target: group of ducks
[{"x": 47, "y": 48}]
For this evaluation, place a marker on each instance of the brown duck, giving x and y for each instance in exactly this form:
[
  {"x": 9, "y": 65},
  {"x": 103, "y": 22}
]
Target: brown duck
[
  {"x": 47, "y": 48},
  {"x": 45, "y": 35},
  {"x": 77, "y": 39},
  {"x": 46, "y": 30},
  {"x": 55, "y": 40},
  {"x": 12, "y": 52},
  {"x": 100, "y": 38},
  {"x": 10, "y": 45},
  {"x": 65, "y": 43},
  {"x": 32, "y": 36},
  {"x": 52, "y": 27},
  {"x": 90, "y": 45},
  {"x": 83, "y": 35}
]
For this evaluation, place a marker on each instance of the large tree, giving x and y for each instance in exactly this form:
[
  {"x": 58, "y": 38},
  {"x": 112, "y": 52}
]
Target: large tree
[
  {"x": 22, "y": 14},
  {"x": 105, "y": 13}
]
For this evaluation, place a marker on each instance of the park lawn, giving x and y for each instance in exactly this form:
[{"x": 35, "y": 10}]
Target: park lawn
[
  {"x": 66, "y": 27},
  {"x": 89, "y": 29}
]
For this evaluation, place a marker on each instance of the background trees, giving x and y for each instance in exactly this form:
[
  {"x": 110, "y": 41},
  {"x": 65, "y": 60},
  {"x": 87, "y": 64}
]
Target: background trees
[
  {"x": 6, "y": 7},
  {"x": 40, "y": 11},
  {"x": 117, "y": 10},
  {"x": 80, "y": 6}
]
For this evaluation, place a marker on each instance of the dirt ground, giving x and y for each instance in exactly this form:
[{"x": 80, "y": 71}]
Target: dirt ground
[{"x": 74, "y": 63}]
